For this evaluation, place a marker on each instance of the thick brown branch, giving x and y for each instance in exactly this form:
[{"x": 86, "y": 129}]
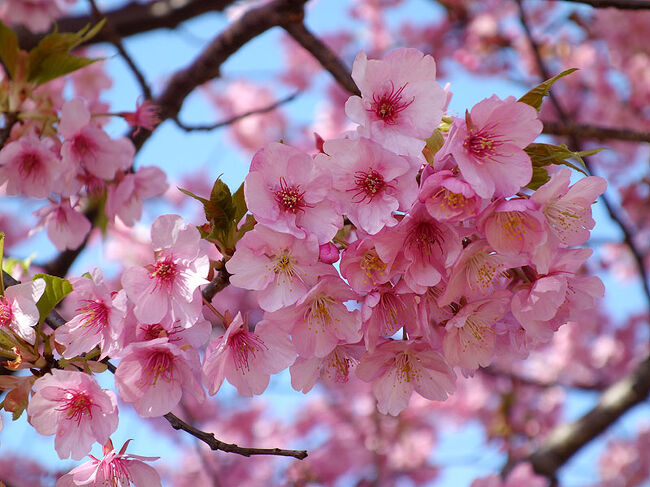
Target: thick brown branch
[
  {"x": 215, "y": 444},
  {"x": 134, "y": 18},
  {"x": 236, "y": 118},
  {"x": 323, "y": 55},
  {"x": 218, "y": 284},
  {"x": 567, "y": 439},
  {"x": 594, "y": 132},
  {"x": 618, "y": 4}
]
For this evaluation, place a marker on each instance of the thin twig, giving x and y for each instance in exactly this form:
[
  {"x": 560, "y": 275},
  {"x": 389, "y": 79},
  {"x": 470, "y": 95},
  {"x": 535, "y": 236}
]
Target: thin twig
[
  {"x": 618, "y": 4},
  {"x": 236, "y": 118},
  {"x": 115, "y": 39},
  {"x": 323, "y": 54},
  {"x": 529, "y": 381},
  {"x": 594, "y": 132}
]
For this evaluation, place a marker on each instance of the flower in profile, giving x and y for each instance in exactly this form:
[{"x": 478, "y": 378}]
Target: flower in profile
[
  {"x": 146, "y": 116},
  {"x": 72, "y": 406},
  {"x": 18, "y": 311},
  {"x": 115, "y": 469}
]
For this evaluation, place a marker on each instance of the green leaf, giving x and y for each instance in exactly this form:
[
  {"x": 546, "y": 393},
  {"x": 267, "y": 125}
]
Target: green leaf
[
  {"x": 51, "y": 58},
  {"x": 240, "y": 203},
  {"x": 546, "y": 154},
  {"x": 9, "y": 49},
  {"x": 535, "y": 96},
  {"x": 221, "y": 201},
  {"x": 192, "y": 195},
  {"x": 540, "y": 178},
  {"x": 433, "y": 145},
  {"x": 55, "y": 290}
]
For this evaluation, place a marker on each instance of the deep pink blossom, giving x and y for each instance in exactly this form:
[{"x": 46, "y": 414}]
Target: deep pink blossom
[
  {"x": 146, "y": 116},
  {"x": 246, "y": 359},
  {"x": 72, "y": 406},
  {"x": 288, "y": 192},
  {"x": 116, "y": 469},
  {"x": 401, "y": 102},
  {"x": 370, "y": 181},
  {"x": 30, "y": 166},
  {"x": 154, "y": 375},
  {"x": 396, "y": 368},
  {"x": 18, "y": 311},
  {"x": 488, "y": 146}
]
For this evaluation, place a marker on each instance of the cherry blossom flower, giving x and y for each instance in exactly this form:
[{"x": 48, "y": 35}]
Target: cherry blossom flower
[
  {"x": 447, "y": 197},
  {"x": 370, "y": 181},
  {"x": 116, "y": 469},
  {"x": 72, "y": 406},
  {"x": 521, "y": 475},
  {"x": 124, "y": 199},
  {"x": 401, "y": 103},
  {"x": 396, "y": 368},
  {"x": 334, "y": 368},
  {"x": 98, "y": 321},
  {"x": 288, "y": 192},
  {"x": 90, "y": 147},
  {"x": 488, "y": 146},
  {"x": 246, "y": 359},
  {"x": 364, "y": 268},
  {"x": 568, "y": 209},
  {"x": 146, "y": 116},
  {"x": 278, "y": 266},
  {"x": 36, "y": 15},
  {"x": 171, "y": 283},
  {"x": 18, "y": 311},
  {"x": 29, "y": 166},
  {"x": 66, "y": 227},
  {"x": 154, "y": 375}
]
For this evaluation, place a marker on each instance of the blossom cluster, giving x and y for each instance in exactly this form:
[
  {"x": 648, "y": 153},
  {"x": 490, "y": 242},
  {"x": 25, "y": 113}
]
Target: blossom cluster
[{"x": 452, "y": 251}]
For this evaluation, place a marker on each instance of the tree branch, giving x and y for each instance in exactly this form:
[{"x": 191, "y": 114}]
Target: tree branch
[
  {"x": 133, "y": 18},
  {"x": 567, "y": 439},
  {"x": 594, "y": 132},
  {"x": 530, "y": 381},
  {"x": 323, "y": 54},
  {"x": 618, "y": 4},
  {"x": 236, "y": 118}
]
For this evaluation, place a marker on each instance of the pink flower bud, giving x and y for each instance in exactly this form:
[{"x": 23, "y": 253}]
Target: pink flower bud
[{"x": 328, "y": 253}]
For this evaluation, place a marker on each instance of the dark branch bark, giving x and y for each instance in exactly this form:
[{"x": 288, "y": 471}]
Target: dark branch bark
[
  {"x": 133, "y": 18},
  {"x": 567, "y": 439},
  {"x": 323, "y": 55},
  {"x": 618, "y": 4},
  {"x": 594, "y": 132}
]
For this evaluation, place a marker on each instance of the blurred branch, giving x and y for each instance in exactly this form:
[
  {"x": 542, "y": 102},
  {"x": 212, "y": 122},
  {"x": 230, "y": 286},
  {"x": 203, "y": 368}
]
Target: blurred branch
[
  {"x": 567, "y": 439},
  {"x": 132, "y": 18},
  {"x": 236, "y": 118},
  {"x": 530, "y": 381},
  {"x": 114, "y": 38},
  {"x": 594, "y": 132},
  {"x": 323, "y": 54},
  {"x": 619, "y": 4}
]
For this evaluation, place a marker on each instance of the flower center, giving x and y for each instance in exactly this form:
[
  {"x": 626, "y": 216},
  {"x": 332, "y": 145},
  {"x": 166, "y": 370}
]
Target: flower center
[
  {"x": 284, "y": 264},
  {"x": 76, "y": 404},
  {"x": 337, "y": 366},
  {"x": 368, "y": 184},
  {"x": 423, "y": 237},
  {"x": 82, "y": 145},
  {"x": 6, "y": 313},
  {"x": 514, "y": 224},
  {"x": 290, "y": 198},
  {"x": 319, "y": 313},
  {"x": 164, "y": 272},
  {"x": 28, "y": 162},
  {"x": 371, "y": 264},
  {"x": 160, "y": 364},
  {"x": 388, "y": 105},
  {"x": 405, "y": 370},
  {"x": 96, "y": 314},
  {"x": 480, "y": 144},
  {"x": 244, "y": 346},
  {"x": 151, "y": 332}
]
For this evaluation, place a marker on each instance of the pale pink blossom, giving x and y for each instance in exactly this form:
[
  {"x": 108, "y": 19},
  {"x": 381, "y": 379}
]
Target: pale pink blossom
[
  {"x": 116, "y": 469},
  {"x": 72, "y": 406},
  {"x": 364, "y": 267},
  {"x": 124, "y": 198},
  {"x": 18, "y": 311},
  {"x": 30, "y": 166},
  {"x": 98, "y": 318},
  {"x": 488, "y": 146},
  {"x": 246, "y": 359},
  {"x": 370, "y": 182},
  {"x": 335, "y": 368},
  {"x": 154, "y": 375},
  {"x": 279, "y": 267},
  {"x": 171, "y": 283},
  {"x": 397, "y": 368},
  {"x": 568, "y": 209},
  {"x": 288, "y": 192},
  {"x": 36, "y": 15},
  {"x": 88, "y": 146},
  {"x": 401, "y": 102},
  {"x": 520, "y": 476},
  {"x": 66, "y": 227}
]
